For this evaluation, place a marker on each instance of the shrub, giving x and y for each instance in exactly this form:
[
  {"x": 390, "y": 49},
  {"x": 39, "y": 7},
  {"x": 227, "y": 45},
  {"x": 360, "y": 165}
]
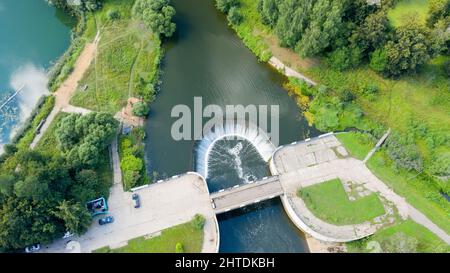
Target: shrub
[
  {"x": 140, "y": 109},
  {"x": 379, "y": 60},
  {"x": 440, "y": 165},
  {"x": 179, "y": 248},
  {"x": 344, "y": 58},
  {"x": 234, "y": 16},
  {"x": 225, "y": 5},
  {"x": 403, "y": 151},
  {"x": 198, "y": 222},
  {"x": 113, "y": 14},
  {"x": 370, "y": 89},
  {"x": 346, "y": 96}
]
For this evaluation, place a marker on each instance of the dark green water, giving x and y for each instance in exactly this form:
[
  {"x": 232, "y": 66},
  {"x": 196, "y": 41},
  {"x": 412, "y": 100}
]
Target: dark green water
[
  {"x": 206, "y": 59},
  {"x": 32, "y": 35}
]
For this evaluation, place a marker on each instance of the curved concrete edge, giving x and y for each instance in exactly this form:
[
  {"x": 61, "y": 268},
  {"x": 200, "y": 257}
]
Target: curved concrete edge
[
  {"x": 216, "y": 222},
  {"x": 298, "y": 222}
]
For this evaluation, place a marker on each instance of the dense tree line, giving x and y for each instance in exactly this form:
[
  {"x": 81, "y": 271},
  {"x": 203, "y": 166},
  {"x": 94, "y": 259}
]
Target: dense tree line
[
  {"x": 350, "y": 32},
  {"x": 43, "y": 195},
  {"x": 71, "y": 7},
  {"x": 157, "y": 15}
]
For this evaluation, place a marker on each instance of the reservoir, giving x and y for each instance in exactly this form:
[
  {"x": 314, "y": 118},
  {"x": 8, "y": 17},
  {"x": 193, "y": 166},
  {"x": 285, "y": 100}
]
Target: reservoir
[
  {"x": 32, "y": 35},
  {"x": 206, "y": 59}
]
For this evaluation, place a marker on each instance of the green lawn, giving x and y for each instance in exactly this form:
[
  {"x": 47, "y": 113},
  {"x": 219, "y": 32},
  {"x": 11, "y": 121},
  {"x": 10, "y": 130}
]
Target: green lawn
[
  {"x": 427, "y": 241},
  {"x": 357, "y": 144},
  {"x": 190, "y": 237},
  {"x": 417, "y": 9},
  {"x": 127, "y": 60},
  {"x": 329, "y": 202}
]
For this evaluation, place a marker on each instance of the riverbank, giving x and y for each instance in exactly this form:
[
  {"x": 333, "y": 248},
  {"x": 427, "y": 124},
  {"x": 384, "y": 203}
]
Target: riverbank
[{"x": 368, "y": 112}]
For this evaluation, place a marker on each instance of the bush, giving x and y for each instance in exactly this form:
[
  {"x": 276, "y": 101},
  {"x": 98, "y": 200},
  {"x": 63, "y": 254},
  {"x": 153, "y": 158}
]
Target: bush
[
  {"x": 440, "y": 165},
  {"x": 371, "y": 89},
  {"x": 140, "y": 109},
  {"x": 113, "y": 15},
  {"x": 198, "y": 222},
  {"x": 179, "y": 248},
  {"x": 234, "y": 16},
  {"x": 379, "y": 60},
  {"x": 346, "y": 96},
  {"x": 225, "y": 5},
  {"x": 403, "y": 151},
  {"x": 344, "y": 58}
]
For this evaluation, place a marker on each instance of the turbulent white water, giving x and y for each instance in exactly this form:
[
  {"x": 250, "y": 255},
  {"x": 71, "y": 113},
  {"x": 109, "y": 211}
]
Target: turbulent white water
[{"x": 233, "y": 130}]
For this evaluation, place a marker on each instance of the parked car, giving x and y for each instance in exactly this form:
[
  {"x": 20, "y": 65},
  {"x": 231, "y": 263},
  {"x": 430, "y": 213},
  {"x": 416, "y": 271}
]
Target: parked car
[
  {"x": 32, "y": 248},
  {"x": 137, "y": 200},
  {"x": 106, "y": 220}
]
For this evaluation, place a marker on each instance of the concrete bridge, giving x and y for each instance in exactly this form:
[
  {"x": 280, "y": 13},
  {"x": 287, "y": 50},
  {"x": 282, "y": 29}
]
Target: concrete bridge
[{"x": 243, "y": 195}]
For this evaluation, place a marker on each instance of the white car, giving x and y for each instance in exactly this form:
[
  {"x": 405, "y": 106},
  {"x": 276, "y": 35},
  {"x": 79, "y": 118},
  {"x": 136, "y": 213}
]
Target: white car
[{"x": 32, "y": 248}]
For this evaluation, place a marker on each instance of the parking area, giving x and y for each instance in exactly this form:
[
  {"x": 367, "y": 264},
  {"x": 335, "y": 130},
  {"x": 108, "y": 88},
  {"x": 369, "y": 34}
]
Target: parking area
[{"x": 163, "y": 205}]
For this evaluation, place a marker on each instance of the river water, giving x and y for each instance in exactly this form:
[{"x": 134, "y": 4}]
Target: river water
[
  {"x": 206, "y": 59},
  {"x": 32, "y": 35}
]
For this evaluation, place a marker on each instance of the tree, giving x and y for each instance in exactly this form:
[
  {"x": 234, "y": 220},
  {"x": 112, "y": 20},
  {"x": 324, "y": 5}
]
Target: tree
[
  {"x": 325, "y": 24},
  {"x": 82, "y": 138},
  {"x": 157, "y": 16},
  {"x": 438, "y": 10},
  {"x": 234, "y": 16},
  {"x": 26, "y": 222},
  {"x": 140, "y": 109},
  {"x": 268, "y": 9},
  {"x": 373, "y": 33},
  {"x": 225, "y": 5},
  {"x": 32, "y": 188},
  {"x": 410, "y": 48},
  {"x": 76, "y": 217}
]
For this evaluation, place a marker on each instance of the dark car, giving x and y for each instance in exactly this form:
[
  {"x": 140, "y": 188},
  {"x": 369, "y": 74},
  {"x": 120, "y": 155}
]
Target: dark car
[
  {"x": 137, "y": 201},
  {"x": 106, "y": 220}
]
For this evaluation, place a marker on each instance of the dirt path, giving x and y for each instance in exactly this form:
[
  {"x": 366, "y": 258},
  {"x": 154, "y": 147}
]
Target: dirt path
[{"x": 68, "y": 88}]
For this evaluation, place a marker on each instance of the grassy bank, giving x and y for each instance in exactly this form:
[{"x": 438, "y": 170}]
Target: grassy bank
[
  {"x": 330, "y": 202},
  {"x": 426, "y": 241},
  {"x": 127, "y": 62},
  {"x": 190, "y": 237}
]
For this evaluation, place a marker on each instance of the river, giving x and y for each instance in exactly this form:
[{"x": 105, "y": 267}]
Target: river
[
  {"x": 206, "y": 59},
  {"x": 32, "y": 36}
]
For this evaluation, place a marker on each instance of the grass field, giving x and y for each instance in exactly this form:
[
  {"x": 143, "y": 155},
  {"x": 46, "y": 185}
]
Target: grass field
[
  {"x": 427, "y": 241},
  {"x": 417, "y": 9},
  {"x": 330, "y": 202},
  {"x": 127, "y": 60},
  {"x": 357, "y": 144},
  {"x": 186, "y": 234}
]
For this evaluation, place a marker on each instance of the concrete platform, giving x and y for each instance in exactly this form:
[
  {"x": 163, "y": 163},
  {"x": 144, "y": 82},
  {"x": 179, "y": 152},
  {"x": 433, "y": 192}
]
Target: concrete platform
[{"x": 163, "y": 205}]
